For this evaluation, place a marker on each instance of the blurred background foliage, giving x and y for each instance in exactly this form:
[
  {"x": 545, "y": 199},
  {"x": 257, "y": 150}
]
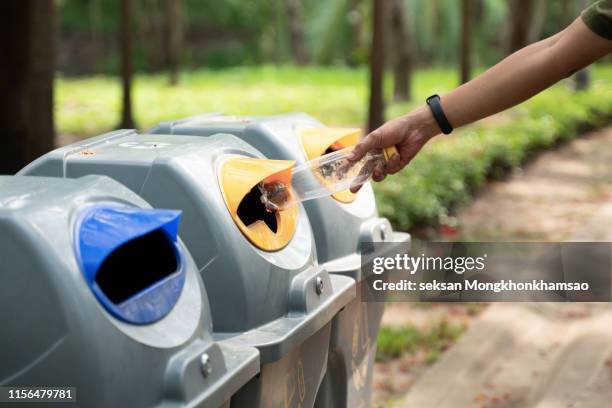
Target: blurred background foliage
[
  {"x": 262, "y": 57},
  {"x": 134, "y": 63},
  {"x": 221, "y": 34}
]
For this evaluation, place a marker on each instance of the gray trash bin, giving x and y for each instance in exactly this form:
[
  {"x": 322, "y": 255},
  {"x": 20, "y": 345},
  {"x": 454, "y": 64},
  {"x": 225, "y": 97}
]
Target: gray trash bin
[
  {"x": 99, "y": 294},
  {"x": 260, "y": 271},
  {"x": 340, "y": 223}
]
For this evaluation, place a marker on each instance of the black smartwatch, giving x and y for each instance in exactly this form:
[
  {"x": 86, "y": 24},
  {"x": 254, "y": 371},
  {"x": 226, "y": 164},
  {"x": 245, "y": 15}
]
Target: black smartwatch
[{"x": 436, "y": 109}]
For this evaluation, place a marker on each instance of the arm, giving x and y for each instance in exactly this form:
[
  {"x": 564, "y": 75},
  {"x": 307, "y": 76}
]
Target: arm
[
  {"x": 512, "y": 81},
  {"x": 525, "y": 73}
]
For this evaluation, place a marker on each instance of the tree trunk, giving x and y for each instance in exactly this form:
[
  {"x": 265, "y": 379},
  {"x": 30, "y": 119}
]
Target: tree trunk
[
  {"x": 95, "y": 23},
  {"x": 540, "y": 16},
  {"x": 466, "y": 40},
  {"x": 125, "y": 45},
  {"x": 377, "y": 64},
  {"x": 174, "y": 40},
  {"x": 521, "y": 14},
  {"x": 296, "y": 31},
  {"x": 355, "y": 20},
  {"x": 582, "y": 78},
  {"x": 401, "y": 52},
  {"x": 437, "y": 29},
  {"x": 567, "y": 13},
  {"x": 27, "y": 29}
]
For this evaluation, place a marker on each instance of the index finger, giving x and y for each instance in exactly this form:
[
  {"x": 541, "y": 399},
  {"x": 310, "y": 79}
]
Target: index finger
[{"x": 370, "y": 142}]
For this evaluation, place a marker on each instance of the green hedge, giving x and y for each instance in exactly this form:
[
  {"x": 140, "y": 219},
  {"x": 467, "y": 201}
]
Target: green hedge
[{"x": 447, "y": 172}]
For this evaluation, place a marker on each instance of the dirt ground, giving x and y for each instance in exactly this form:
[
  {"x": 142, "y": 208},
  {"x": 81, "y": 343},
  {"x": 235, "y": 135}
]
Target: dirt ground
[{"x": 550, "y": 199}]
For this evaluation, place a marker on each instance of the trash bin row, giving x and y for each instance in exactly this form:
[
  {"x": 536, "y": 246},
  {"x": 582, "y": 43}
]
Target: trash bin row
[{"x": 247, "y": 307}]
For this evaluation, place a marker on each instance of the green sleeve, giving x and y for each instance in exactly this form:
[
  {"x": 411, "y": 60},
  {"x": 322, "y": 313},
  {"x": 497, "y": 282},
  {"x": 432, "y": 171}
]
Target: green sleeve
[{"x": 598, "y": 18}]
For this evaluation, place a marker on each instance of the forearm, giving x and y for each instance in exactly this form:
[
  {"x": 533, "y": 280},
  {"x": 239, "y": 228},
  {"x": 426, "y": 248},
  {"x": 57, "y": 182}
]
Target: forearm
[
  {"x": 524, "y": 74},
  {"x": 512, "y": 81}
]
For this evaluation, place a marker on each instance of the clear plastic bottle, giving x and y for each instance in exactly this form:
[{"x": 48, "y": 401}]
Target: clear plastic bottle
[{"x": 334, "y": 171}]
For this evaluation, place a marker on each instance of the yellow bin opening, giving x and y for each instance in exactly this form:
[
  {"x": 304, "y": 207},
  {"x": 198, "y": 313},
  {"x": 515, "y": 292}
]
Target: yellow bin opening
[
  {"x": 238, "y": 179},
  {"x": 319, "y": 141}
]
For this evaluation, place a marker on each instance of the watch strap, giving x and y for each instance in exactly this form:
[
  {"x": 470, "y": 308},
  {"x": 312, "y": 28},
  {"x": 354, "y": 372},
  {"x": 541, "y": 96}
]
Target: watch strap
[{"x": 436, "y": 109}]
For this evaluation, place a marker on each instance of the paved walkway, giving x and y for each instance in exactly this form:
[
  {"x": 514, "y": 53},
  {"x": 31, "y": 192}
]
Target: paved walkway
[
  {"x": 525, "y": 355},
  {"x": 540, "y": 355},
  {"x": 550, "y": 199}
]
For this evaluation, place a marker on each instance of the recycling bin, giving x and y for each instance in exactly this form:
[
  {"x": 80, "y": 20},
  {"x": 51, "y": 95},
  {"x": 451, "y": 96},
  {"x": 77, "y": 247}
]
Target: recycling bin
[
  {"x": 265, "y": 286},
  {"x": 98, "y": 293},
  {"x": 341, "y": 224}
]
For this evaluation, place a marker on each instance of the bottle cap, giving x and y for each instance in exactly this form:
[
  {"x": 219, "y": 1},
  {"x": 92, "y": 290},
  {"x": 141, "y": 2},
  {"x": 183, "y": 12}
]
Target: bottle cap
[{"x": 388, "y": 152}]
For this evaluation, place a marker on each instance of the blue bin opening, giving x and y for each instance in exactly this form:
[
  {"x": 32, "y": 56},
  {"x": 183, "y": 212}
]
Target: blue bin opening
[
  {"x": 136, "y": 265},
  {"x": 131, "y": 260}
]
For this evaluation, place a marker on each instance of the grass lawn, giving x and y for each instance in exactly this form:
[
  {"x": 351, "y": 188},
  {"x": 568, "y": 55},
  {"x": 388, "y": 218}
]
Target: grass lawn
[{"x": 336, "y": 96}]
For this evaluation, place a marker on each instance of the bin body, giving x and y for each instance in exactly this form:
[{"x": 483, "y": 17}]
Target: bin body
[
  {"x": 340, "y": 225},
  {"x": 278, "y": 137},
  {"x": 262, "y": 298},
  {"x": 57, "y": 330}
]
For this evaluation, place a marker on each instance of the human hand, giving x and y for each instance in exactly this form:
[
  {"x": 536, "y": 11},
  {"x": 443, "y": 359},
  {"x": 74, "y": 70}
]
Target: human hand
[{"x": 408, "y": 133}]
